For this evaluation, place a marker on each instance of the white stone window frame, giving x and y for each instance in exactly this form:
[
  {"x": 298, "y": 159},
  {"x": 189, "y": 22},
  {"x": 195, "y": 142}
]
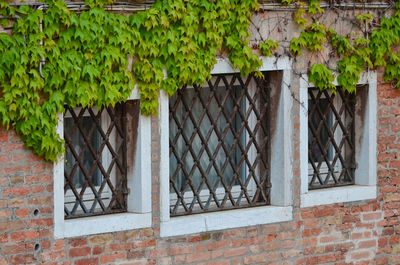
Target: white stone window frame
[
  {"x": 138, "y": 214},
  {"x": 281, "y": 207},
  {"x": 365, "y": 187}
]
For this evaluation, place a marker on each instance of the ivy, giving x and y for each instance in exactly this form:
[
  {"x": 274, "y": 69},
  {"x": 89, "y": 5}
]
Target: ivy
[
  {"x": 321, "y": 77},
  {"x": 87, "y": 58},
  {"x": 313, "y": 37},
  {"x": 96, "y": 58},
  {"x": 267, "y": 47},
  {"x": 355, "y": 56}
]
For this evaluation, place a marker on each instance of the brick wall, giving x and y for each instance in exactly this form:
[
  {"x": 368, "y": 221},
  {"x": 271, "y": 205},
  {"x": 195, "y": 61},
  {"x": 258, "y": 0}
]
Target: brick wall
[{"x": 365, "y": 232}]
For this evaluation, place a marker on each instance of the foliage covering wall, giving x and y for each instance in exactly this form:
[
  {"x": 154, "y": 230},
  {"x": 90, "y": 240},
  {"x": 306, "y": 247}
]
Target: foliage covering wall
[{"x": 55, "y": 57}]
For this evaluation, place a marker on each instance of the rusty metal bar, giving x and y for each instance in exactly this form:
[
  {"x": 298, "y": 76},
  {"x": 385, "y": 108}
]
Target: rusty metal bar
[
  {"x": 331, "y": 151},
  {"x": 219, "y": 145},
  {"x": 106, "y": 159}
]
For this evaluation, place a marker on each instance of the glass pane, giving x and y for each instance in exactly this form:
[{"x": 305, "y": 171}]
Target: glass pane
[
  {"x": 316, "y": 152},
  {"x": 218, "y": 146},
  {"x": 213, "y": 144},
  {"x": 78, "y": 143}
]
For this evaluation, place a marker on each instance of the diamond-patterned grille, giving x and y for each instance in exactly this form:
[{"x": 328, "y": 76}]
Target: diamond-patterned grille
[
  {"x": 331, "y": 140},
  {"x": 95, "y": 166},
  {"x": 219, "y": 145}
]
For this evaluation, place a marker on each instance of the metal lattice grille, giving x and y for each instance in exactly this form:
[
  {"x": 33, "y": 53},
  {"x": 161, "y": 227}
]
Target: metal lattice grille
[
  {"x": 331, "y": 140},
  {"x": 219, "y": 145},
  {"x": 95, "y": 161}
]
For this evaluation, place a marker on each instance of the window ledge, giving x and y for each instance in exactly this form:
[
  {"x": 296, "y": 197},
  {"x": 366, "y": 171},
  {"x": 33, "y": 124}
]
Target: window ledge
[
  {"x": 338, "y": 195},
  {"x": 105, "y": 224},
  {"x": 224, "y": 220}
]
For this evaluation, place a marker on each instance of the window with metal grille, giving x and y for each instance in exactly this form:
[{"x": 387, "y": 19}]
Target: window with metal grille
[
  {"x": 331, "y": 138},
  {"x": 219, "y": 145},
  {"x": 95, "y": 166}
]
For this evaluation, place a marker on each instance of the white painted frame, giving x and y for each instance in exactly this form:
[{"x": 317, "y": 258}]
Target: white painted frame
[
  {"x": 365, "y": 186},
  {"x": 281, "y": 208},
  {"x": 139, "y": 198}
]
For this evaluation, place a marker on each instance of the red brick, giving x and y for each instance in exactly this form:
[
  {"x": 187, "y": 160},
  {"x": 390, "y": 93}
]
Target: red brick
[
  {"x": 23, "y": 259},
  {"x": 87, "y": 261},
  {"x": 178, "y": 250},
  {"x": 257, "y": 259},
  {"x": 43, "y": 222},
  {"x": 14, "y": 248},
  {"x": 387, "y": 231},
  {"x": 234, "y": 252},
  {"x": 234, "y": 233},
  {"x": 360, "y": 255},
  {"x": 79, "y": 252},
  {"x": 40, "y": 200},
  {"x": 78, "y": 242},
  {"x": 12, "y": 170},
  {"x": 39, "y": 168},
  {"x": 17, "y": 191},
  {"x": 112, "y": 258},
  {"x": 52, "y": 255},
  {"x": 312, "y": 232},
  {"x": 120, "y": 246},
  {"x": 16, "y": 202},
  {"x": 372, "y": 216},
  {"x": 180, "y": 259},
  {"x": 382, "y": 261},
  {"x": 24, "y": 236},
  {"x": 42, "y": 178},
  {"x": 33, "y": 158},
  {"x": 59, "y": 244},
  {"x": 144, "y": 243},
  {"x": 8, "y": 148},
  {"x": 328, "y": 258},
  {"x": 329, "y": 239},
  {"x": 218, "y": 244},
  {"x": 3, "y": 238},
  {"x": 5, "y": 214},
  {"x": 22, "y": 213},
  {"x": 158, "y": 252},
  {"x": 307, "y": 214},
  {"x": 311, "y": 223},
  {"x": 323, "y": 212},
  {"x": 37, "y": 189},
  {"x": 367, "y": 244},
  {"x": 216, "y": 254},
  {"x": 3, "y": 136},
  {"x": 11, "y": 226},
  {"x": 196, "y": 257},
  {"x": 138, "y": 254}
]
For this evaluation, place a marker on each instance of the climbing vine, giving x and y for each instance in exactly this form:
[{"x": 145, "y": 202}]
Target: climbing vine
[
  {"x": 87, "y": 63},
  {"x": 56, "y": 57}
]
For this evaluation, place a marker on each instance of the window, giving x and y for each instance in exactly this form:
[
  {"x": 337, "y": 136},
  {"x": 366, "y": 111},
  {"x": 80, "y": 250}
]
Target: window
[
  {"x": 103, "y": 184},
  {"x": 338, "y": 143},
  {"x": 219, "y": 144},
  {"x": 95, "y": 161},
  {"x": 216, "y": 168},
  {"x": 331, "y": 141}
]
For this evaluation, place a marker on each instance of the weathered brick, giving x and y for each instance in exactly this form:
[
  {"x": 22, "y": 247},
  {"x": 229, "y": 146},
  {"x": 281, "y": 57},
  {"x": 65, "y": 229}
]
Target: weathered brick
[
  {"x": 24, "y": 236},
  {"x": 100, "y": 239},
  {"x": 79, "y": 252},
  {"x": 112, "y": 258},
  {"x": 87, "y": 261}
]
